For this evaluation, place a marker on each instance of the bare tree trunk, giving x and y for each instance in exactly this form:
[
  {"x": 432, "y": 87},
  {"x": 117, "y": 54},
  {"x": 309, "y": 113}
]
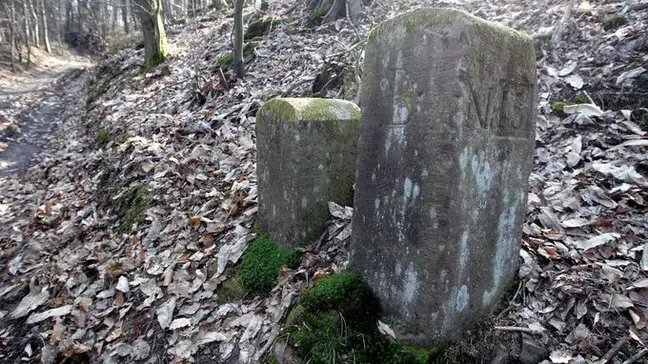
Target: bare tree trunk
[
  {"x": 124, "y": 10},
  {"x": 45, "y": 31},
  {"x": 12, "y": 29},
  {"x": 114, "y": 16},
  {"x": 218, "y": 4},
  {"x": 26, "y": 21},
  {"x": 239, "y": 67},
  {"x": 150, "y": 13},
  {"x": 35, "y": 33}
]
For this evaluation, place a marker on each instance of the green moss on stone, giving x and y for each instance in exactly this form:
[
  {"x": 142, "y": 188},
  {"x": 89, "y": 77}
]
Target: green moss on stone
[
  {"x": 336, "y": 319},
  {"x": 294, "y": 109},
  {"x": 494, "y": 35},
  {"x": 614, "y": 22},
  {"x": 261, "y": 27},
  {"x": 261, "y": 264},
  {"x": 346, "y": 293}
]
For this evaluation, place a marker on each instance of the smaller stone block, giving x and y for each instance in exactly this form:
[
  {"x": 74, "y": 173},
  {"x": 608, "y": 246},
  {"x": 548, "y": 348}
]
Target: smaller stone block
[{"x": 306, "y": 157}]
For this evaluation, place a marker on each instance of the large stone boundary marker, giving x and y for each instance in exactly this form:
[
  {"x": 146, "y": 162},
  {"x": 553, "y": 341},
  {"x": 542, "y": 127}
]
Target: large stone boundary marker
[
  {"x": 445, "y": 152},
  {"x": 306, "y": 157}
]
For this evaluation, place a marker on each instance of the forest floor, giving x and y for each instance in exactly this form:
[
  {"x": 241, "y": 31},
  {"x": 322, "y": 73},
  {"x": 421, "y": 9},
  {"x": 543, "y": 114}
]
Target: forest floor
[
  {"x": 31, "y": 103},
  {"x": 116, "y": 241}
]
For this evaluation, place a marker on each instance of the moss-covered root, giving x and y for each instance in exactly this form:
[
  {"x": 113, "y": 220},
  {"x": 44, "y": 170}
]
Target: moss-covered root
[{"x": 261, "y": 264}]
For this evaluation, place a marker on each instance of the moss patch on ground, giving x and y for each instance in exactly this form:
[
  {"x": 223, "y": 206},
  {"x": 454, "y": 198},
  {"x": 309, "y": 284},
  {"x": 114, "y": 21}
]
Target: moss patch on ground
[
  {"x": 261, "y": 264},
  {"x": 336, "y": 323},
  {"x": 614, "y": 22},
  {"x": 581, "y": 99},
  {"x": 132, "y": 205},
  {"x": 226, "y": 60},
  {"x": 558, "y": 107}
]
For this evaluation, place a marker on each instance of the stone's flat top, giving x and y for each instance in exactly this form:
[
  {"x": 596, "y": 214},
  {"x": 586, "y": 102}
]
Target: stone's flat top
[
  {"x": 440, "y": 17},
  {"x": 311, "y": 109}
]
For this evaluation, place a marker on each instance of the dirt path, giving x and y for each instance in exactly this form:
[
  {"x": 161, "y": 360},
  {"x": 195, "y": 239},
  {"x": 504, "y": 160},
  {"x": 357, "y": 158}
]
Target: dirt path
[{"x": 31, "y": 105}]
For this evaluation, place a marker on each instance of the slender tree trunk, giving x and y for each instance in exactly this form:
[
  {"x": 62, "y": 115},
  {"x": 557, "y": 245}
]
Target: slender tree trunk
[
  {"x": 150, "y": 13},
  {"x": 218, "y": 4},
  {"x": 12, "y": 29},
  {"x": 26, "y": 21},
  {"x": 36, "y": 32},
  {"x": 239, "y": 67},
  {"x": 124, "y": 10},
  {"x": 45, "y": 31},
  {"x": 114, "y": 18}
]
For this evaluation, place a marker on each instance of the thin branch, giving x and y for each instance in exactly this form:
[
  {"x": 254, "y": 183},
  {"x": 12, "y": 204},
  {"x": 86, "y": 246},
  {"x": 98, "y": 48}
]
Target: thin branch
[
  {"x": 636, "y": 357},
  {"x": 519, "y": 329}
]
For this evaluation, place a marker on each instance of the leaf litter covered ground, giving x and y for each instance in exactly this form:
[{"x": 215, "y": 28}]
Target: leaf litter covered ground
[{"x": 115, "y": 241}]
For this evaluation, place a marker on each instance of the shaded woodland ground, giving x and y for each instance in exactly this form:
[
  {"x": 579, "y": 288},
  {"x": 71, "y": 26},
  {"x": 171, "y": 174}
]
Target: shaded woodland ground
[{"x": 116, "y": 239}]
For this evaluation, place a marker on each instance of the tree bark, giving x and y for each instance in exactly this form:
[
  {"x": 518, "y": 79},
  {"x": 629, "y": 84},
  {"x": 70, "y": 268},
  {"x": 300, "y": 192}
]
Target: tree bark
[
  {"x": 218, "y": 4},
  {"x": 35, "y": 33},
  {"x": 150, "y": 14},
  {"x": 45, "y": 30},
  {"x": 124, "y": 13},
  {"x": 12, "y": 29},
  {"x": 239, "y": 67}
]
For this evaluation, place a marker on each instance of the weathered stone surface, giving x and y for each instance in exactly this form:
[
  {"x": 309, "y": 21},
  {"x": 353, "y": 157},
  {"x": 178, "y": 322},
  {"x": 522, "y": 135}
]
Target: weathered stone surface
[
  {"x": 307, "y": 152},
  {"x": 445, "y": 152}
]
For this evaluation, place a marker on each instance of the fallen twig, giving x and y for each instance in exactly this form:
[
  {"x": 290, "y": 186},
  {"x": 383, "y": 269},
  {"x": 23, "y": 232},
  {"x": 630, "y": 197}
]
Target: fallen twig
[
  {"x": 613, "y": 350},
  {"x": 636, "y": 357},
  {"x": 519, "y": 329}
]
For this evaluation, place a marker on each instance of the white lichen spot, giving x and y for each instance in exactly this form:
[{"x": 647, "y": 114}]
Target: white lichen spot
[
  {"x": 411, "y": 191},
  {"x": 411, "y": 284},
  {"x": 373, "y": 177},
  {"x": 274, "y": 210},
  {"x": 297, "y": 137},
  {"x": 463, "y": 257},
  {"x": 504, "y": 249},
  {"x": 304, "y": 202},
  {"x": 463, "y": 159},
  {"x": 433, "y": 217},
  {"x": 398, "y": 269},
  {"x": 462, "y": 298},
  {"x": 425, "y": 173},
  {"x": 285, "y": 195},
  {"x": 482, "y": 172},
  {"x": 316, "y": 189},
  {"x": 377, "y": 204},
  {"x": 384, "y": 84},
  {"x": 320, "y": 167}
]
